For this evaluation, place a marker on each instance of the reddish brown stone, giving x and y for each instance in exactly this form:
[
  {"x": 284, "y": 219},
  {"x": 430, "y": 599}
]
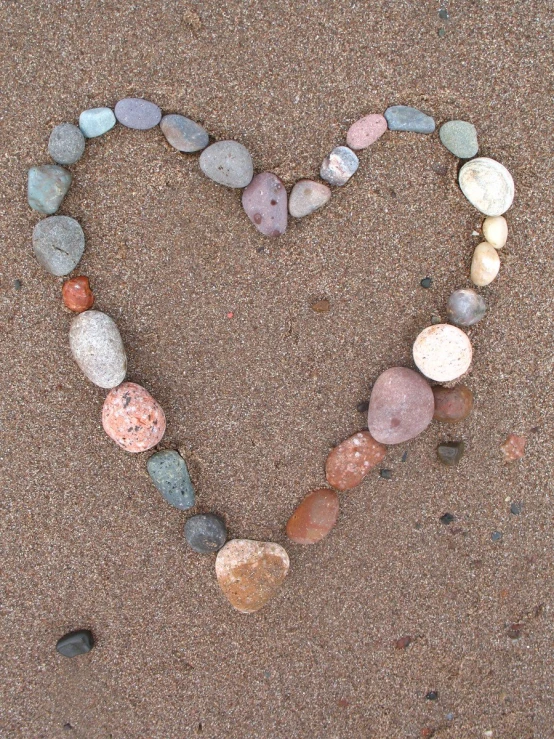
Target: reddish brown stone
[
  {"x": 132, "y": 418},
  {"x": 403, "y": 642},
  {"x": 513, "y": 447},
  {"x": 452, "y": 404},
  {"x": 349, "y": 462},
  {"x": 77, "y": 295},
  {"x": 315, "y": 517}
]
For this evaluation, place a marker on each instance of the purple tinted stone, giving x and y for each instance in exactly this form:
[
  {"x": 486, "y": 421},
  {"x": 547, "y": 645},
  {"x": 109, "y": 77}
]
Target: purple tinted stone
[
  {"x": 401, "y": 406},
  {"x": 265, "y": 203},
  {"x": 137, "y": 113}
]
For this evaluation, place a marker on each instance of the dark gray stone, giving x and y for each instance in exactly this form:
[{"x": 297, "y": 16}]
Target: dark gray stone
[
  {"x": 405, "y": 118},
  {"x": 75, "y": 643},
  {"x": 66, "y": 144},
  {"x": 205, "y": 533},
  {"x": 46, "y": 187},
  {"x": 58, "y": 243},
  {"x": 450, "y": 452},
  {"x": 168, "y": 471},
  {"x": 184, "y": 134},
  {"x": 466, "y": 307},
  {"x": 137, "y": 113}
]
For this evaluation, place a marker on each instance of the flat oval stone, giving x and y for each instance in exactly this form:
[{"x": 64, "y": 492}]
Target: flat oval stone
[
  {"x": 450, "y": 452},
  {"x": 401, "y": 406},
  {"x": 265, "y": 203},
  {"x": 205, "y": 533},
  {"x": 442, "y": 352},
  {"x": 46, "y": 187},
  {"x": 495, "y": 231},
  {"x": 169, "y": 473},
  {"x": 306, "y": 197},
  {"x": 97, "y": 348},
  {"x": 75, "y": 643},
  {"x": 58, "y": 244},
  {"x": 460, "y": 138},
  {"x": 250, "y": 573},
  {"x": 366, "y": 131},
  {"x": 351, "y": 460},
  {"x": 487, "y": 185},
  {"x": 77, "y": 295},
  {"x": 314, "y": 518},
  {"x": 132, "y": 418},
  {"x": 485, "y": 264},
  {"x": 339, "y": 166},
  {"x": 466, "y": 307},
  {"x": 137, "y": 113},
  {"x": 66, "y": 144},
  {"x": 96, "y": 121},
  {"x": 184, "y": 134},
  {"x": 227, "y": 163},
  {"x": 452, "y": 404},
  {"x": 405, "y": 118}
]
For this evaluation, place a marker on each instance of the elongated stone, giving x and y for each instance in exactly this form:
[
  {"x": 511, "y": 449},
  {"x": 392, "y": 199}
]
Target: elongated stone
[
  {"x": 405, "y": 118},
  {"x": 452, "y": 404},
  {"x": 460, "y": 138},
  {"x": 351, "y": 460},
  {"x": 442, "y": 352},
  {"x": 96, "y": 122},
  {"x": 314, "y": 518},
  {"x": 339, "y": 166},
  {"x": 466, "y": 307},
  {"x": 184, "y": 134},
  {"x": 487, "y": 185},
  {"x": 306, "y": 197},
  {"x": 132, "y": 418},
  {"x": 137, "y": 113},
  {"x": 97, "y": 348},
  {"x": 58, "y": 244},
  {"x": 485, "y": 264},
  {"x": 46, "y": 187},
  {"x": 265, "y": 203},
  {"x": 227, "y": 163},
  {"x": 495, "y": 231},
  {"x": 169, "y": 473},
  {"x": 66, "y": 144},
  {"x": 366, "y": 131}
]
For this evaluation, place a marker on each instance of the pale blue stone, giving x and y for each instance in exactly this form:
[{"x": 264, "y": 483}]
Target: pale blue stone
[
  {"x": 404, "y": 118},
  {"x": 46, "y": 187},
  {"x": 96, "y": 121},
  {"x": 460, "y": 137},
  {"x": 168, "y": 471}
]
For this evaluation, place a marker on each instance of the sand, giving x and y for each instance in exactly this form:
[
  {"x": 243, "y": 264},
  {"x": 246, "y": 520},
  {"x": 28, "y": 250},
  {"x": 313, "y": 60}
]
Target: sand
[{"x": 256, "y": 401}]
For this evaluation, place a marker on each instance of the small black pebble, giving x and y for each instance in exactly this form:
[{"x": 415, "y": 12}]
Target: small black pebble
[
  {"x": 75, "y": 643},
  {"x": 404, "y": 457},
  {"x": 496, "y": 535},
  {"x": 363, "y": 407},
  {"x": 261, "y": 249},
  {"x": 515, "y": 508},
  {"x": 67, "y": 727},
  {"x": 426, "y": 282},
  {"x": 432, "y": 695},
  {"x": 443, "y": 14},
  {"x": 446, "y": 519},
  {"x": 17, "y": 284},
  {"x": 386, "y": 474}
]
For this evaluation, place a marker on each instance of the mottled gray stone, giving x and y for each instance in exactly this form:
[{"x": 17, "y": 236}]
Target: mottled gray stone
[
  {"x": 75, "y": 643},
  {"x": 227, "y": 163},
  {"x": 168, "y": 471},
  {"x": 96, "y": 121},
  {"x": 66, "y": 144},
  {"x": 405, "y": 118},
  {"x": 205, "y": 533},
  {"x": 339, "y": 166},
  {"x": 137, "y": 113},
  {"x": 466, "y": 307},
  {"x": 460, "y": 138},
  {"x": 46, "y": 187},
  {"x": 58, "y": 243},
  {"x": 96, "y": 346},
  {"x": 184, "y": 134}
]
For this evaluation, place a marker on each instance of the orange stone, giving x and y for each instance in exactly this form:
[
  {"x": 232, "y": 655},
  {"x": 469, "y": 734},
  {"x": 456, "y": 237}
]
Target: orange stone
[
  {"x": 452, "y": 404},
  {"x": 132, "y": 418},
  {"x": 250, "y": 573},
  {"x": 349, "y": 462},
  {"x": 315, "y": 517},
  {"x": 77, "y": 295},
  {"x": 513, "y": 447}
]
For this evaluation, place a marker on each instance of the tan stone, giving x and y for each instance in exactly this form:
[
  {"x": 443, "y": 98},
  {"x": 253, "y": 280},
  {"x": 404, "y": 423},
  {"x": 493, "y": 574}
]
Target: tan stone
[
  {"x": 485, "y": 264},
  {"x": 314, "y": 518},
  {"x": 495, "y": 231}
]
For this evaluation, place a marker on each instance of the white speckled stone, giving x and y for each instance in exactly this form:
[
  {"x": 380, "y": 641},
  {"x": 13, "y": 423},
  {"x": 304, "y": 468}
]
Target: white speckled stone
[
  {"x": 495, "y": 231},
  {"x": 97, "y": 348},
  {"x": 339, "y": 166},
  {"x": 484, "y": 265},
  {"x": 487, "y": 185},
  {"x": 306, "y": 197},
  {"x": 442, "y": 352}
]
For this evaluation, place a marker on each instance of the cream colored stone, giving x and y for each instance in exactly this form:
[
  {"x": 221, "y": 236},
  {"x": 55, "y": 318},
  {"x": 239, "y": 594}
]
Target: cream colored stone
[
  {"x": 442, "y": 352},
  {"x": 484, "y": 265},
  {"x": 495, "y": 231},
  {"x": 487, "y": 185}
]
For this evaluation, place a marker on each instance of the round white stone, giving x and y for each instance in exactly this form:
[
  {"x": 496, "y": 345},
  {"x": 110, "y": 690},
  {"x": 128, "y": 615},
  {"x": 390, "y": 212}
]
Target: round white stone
[
  {"x": 495, "y": 231},
  {"x": 484, "y": 265},
  {"x": 487, "y": 185},
  {"x": 442, "y": 352}
]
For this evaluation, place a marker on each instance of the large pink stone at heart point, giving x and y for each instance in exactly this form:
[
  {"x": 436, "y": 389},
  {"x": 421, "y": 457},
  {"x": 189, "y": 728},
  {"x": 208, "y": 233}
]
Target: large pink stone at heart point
[
  {"x": 265, "y": 203},
  {"x": 401, "y": 406},
  {"x": 132, "y": 418}
]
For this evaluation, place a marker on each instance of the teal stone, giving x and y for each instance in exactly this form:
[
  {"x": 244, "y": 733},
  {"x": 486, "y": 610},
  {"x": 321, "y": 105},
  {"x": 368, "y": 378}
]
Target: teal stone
[
  {"x": 405, "y": 118},
  {"x": 168, "y": 471},
  {"x": 460, "y": 138},
  {"x": 96, "y": 121},
  {"x": 46, "y": 187}
]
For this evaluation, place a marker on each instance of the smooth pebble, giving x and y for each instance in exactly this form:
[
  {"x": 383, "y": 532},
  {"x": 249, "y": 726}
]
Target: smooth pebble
[
  {"x": 306, "y": 197},
  {"x": 314, "y": 517},
  {"x": 46, "y": 187},
  {"x": 75, "y": 643},
  {"x": 513, "y": 448},
  {"x": 460, "y": 138},
  {"x": 442, "y": 352},
  {"x": 227, "y": 163},
  {"x": 405, "y": 118},
  {"x": 205, "y": 533},
  {"x": 450, "y": 452},
  {"x": 452, "y": 404},
  {"x": 77, "y": 295},
  {"x": 132, "y": 418},
  {"x": 169, "y": 473},
  {"x": 485, "y": 264},
  {"x": 339, "y": 166},
  {"x": 96, "y": 122},
  {"x": 137, "y": 113},
  {"x": 351, "y": 460},
  {"x": 265, "y": 203},
  {"x": 466, "y": 307},
  {"x": 487, "y": 185},
  {"x": 495, "y": 231},
  {"x": 97, "y": 348},
  {"x": 184, "y": 134},
  {"x": 66, "y": 144},
  {"x": 58, "y": 244},
  {"x": 366, "y": 131}
]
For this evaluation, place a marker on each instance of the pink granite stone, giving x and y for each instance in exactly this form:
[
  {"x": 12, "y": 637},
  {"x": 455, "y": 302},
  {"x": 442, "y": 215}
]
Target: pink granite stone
[
  {"x": 132, "y": 418},
  {"x": 366, "y": 131},
  {"x": 265, "y": 203}
]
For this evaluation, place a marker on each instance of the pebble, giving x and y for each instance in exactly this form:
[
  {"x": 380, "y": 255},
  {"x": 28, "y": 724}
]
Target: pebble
[
  {"x": 485, "y": 264},
  {"x": 487, "y": 185},
  {"x": 250, "y": 573},
  {"x": 169, "y": 473},
  {"x": 58, "y": 244},
  {"x": 405, "y": 118},
  {"x": 426, "y": 282},
  {"x": 184, "y": 134},
  {"x": 496, "y": 535},
  {"x": 97, "y": 348},
  {"x": 205, "y": 533},
  {"x": 452, "y": 404},
  {"x": 227, "y": 163},
  {"x": 385, "y": 474},
  {"x": 363, "y": 406},
  {"x": 96, "y": 121},
  {"x": 77, "y": 295},
  {"x": 17, "y": 284},
  {"x": 450, "y": 452},
  {"x": 314, "y": 518},
  {"x": 66, "y": 144},
  {"x": 132, "y": 418},
  {"x": 460, "y": 138},
  {"x": 466, "y": 307},
  {"x": 401, "y": 406},
  {"x": 446, "y": 519},
  {"x": 339, "y": 166},
  {"x": 515, "y": 508},
  {"x": 75, "y": 643},
  {"x": 513, "y": 448},
  {"x": 432, "y": 695},
  {"x": 495, "y": 231},
  {"x": 350, "y": 461},
  {"x": 366, "y": 131},
  {"x": 306, "y": 197},
  {"x": 265, "y": 203},
  {"x": 442, "y": 352},
  {"x": 137, "y": 113},
  {"x": 321, "y": 306},
  {"x": 46, "y": 187}
]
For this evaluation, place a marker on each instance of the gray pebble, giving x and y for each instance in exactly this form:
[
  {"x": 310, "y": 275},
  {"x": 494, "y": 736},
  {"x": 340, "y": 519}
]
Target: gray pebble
[
  {"x": 96, "y": 121},
  {"x": 496, "y": 535},
  {"x": 460, "y": 138},
  {"x": 66, "y": 144},
  {"x": 137, "y": 113},
  {"x": 205, "y": 533},
  {"x": 46, "y": 187},
  {"x": 168, "y": 471},
  {"x": 466, "y": 307},
  {"x": 75, "y": 643},
  {"x": 184, "y": 134},
  {"x": 339, "y": 166},
  {"x": 96, "y": 346},
  {"x": 58, "y": 244},
  {"x": 405, "y": 118},
  {"x": 227, "y": 163}
]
